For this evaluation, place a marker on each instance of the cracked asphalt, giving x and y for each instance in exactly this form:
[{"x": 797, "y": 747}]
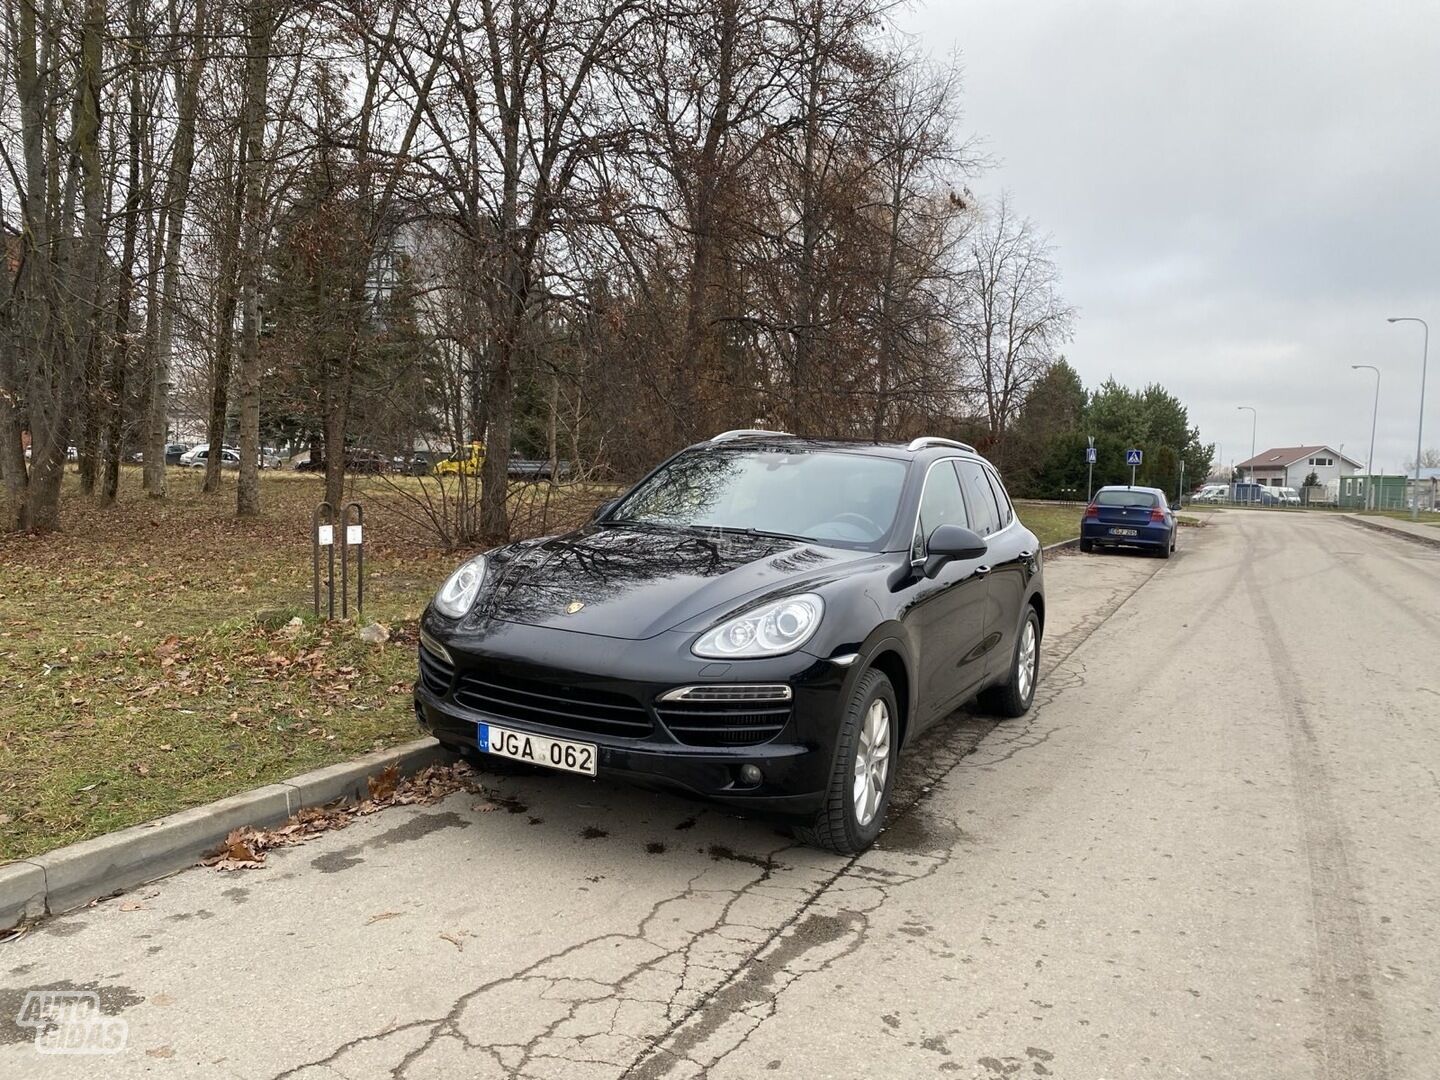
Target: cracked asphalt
[{"x": 1209, "y": 851}]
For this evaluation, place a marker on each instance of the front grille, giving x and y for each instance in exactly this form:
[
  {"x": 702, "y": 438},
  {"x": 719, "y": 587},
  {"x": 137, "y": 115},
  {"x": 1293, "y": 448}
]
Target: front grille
[
  {"x": 714, "y": 723},
  {"x": 597, "y": 712},
  {"x": 435, "y": 674}
]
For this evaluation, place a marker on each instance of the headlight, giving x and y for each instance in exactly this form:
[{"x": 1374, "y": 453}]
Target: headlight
[
  {"x": 773, "y": 629},
  {"x": 457, "y": 595}
]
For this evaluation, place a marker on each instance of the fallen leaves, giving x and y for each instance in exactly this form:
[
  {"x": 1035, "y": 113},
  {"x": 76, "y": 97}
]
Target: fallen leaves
[
  {"x": 383, "y": 784},
  {"x": 245, "y": 848}
]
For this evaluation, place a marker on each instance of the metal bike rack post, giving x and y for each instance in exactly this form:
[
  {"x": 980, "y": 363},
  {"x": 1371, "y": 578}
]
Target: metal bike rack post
[
  {"x": 354, "y": 533},
  {"x": 322, "y": 534}
]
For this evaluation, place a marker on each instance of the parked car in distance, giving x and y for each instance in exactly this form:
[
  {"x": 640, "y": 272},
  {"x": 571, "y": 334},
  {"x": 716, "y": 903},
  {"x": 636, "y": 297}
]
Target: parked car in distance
[
  {"x": 764, "y": 621},
  {"x": 198, "y": 457},
  {"x": 416, "y": 464},
  {"x": 1211, "y": 493},
  {"x": 202, "y": 451},
  {"x": 366, "y": 462},
  {"x": 466, "y": 461},
  {"x": 1137, "y": 517},
  {"x": 1286, "y": 496}
]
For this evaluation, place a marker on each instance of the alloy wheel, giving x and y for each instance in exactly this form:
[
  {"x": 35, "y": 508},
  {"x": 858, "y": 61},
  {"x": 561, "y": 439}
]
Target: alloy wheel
[
  {"x": 872, "y": 762},
  {"x": 1025, "y": 661}
]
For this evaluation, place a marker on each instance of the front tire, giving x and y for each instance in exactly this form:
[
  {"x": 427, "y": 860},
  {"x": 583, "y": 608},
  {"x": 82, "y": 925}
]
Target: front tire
[
  {"x": 1013, "y": 697},
  {"x": 863, "y": 774}
]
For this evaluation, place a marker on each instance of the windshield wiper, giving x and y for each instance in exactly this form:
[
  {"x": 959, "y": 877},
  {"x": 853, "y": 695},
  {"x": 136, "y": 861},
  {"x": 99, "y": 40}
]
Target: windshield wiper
[{"x": 744, "y": 530}]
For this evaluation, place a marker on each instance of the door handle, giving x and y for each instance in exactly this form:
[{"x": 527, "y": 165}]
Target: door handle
[
  {"x": 982, "y": 570},
  {"x": 1026, "y": 554}
]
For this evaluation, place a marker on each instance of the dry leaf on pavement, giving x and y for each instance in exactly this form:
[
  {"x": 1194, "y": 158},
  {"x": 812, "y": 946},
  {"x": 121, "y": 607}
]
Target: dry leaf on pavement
[{"x": 245, "y": 848}]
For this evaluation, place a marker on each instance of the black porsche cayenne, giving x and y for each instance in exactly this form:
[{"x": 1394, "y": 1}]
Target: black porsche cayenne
[{"x": 763, "y": 620}]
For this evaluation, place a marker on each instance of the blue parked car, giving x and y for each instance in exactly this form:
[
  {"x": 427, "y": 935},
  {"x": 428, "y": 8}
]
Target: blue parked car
[{"x": 1129, "y": 517}]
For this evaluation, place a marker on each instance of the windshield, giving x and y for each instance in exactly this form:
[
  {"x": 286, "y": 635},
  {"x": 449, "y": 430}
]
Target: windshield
[
  {"x": 1125, "y": 498},
  {"x": 834, "y": 498}
]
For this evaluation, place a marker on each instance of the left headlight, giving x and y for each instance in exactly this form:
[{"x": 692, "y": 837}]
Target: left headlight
[
  {"x": 772, "y": 629},
  {"x": 457, "y": 595}
]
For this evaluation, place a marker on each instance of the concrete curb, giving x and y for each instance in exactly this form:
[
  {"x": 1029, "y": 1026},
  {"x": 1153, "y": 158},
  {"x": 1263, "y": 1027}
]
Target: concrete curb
[
  {"x": 1390, "y": 530},
  {"x": 73, "y": 876},
  {"x": 1063, "y": 545}
]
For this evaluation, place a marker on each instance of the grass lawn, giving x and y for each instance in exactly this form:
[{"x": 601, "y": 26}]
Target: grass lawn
[
  {"x": 146, "y": 664},
  {"x": 1051, "y": 522}
]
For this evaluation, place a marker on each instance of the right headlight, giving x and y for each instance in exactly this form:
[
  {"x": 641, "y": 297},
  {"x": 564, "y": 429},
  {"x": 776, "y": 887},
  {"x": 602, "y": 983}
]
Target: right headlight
[
  {"x": 772, "y": 629},
  {"x": 457, "y": 596}
]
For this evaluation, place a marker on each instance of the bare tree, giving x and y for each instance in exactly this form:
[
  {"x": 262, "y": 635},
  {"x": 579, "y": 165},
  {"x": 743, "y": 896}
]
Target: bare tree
[
  {"x": 260, "y": 29},
  {"x": 1019, "y": 320}
]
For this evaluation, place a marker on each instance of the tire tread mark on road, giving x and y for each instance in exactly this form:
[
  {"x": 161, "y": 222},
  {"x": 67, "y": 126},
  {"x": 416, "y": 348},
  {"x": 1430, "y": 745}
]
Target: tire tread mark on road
[{"x": 1351, "y": 1045}]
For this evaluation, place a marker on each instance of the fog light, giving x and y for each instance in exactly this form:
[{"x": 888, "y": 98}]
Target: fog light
[{"x": 750, "y": 774}]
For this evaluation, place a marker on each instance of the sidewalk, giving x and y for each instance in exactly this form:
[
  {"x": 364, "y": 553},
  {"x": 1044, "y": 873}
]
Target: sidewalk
[{"x": 1410, "y": 530}]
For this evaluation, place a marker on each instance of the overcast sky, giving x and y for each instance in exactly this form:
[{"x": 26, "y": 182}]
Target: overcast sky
[{"x": 1239, "y": 194}]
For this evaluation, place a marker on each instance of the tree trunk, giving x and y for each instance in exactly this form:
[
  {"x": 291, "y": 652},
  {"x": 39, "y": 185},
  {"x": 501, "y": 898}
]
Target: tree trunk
[
  {"x": 224, "y": 333},
  {"x": 91, "y": 287},
  {"x": 257, "y": 78},
  {"x": 123, "y": 349},
  {"x": 336, "y": 416},
  {"x": 499, "y": 404},
  {"x": 177, "y": 192},
  {"x": 13, "y": 474}
]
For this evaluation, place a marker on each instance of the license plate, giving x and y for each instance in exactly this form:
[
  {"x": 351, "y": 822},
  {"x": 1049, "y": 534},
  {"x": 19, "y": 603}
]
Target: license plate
[
  {"x": 1124, "y": 532},
  {"x": 577, "y": 757}
]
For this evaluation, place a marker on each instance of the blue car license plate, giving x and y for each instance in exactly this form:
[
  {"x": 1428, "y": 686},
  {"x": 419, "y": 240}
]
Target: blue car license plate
[{"x": 1124, "y": 532}]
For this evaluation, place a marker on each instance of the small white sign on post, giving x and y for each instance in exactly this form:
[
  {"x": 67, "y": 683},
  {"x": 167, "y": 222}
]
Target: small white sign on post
[
  {"x": 326, "y": 536},
  {"x": 352, "y": 534}
]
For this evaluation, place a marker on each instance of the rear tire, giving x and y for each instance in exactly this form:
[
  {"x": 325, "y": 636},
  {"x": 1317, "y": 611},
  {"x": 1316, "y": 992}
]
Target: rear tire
[
  {"x": 863, "y": 774},
  {"x": 1014, "y": 697},
  {"x": 1087, "y": 546}
]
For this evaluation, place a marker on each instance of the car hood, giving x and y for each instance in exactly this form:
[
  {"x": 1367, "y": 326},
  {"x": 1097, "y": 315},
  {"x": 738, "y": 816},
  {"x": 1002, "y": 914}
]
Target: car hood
[{"x": 636, "y": 582}]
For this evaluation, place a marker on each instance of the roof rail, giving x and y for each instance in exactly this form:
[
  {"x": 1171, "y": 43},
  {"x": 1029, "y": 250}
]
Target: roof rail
[
  {"x": 934, "y": 440},
  {"x": 740, "y": 433}
]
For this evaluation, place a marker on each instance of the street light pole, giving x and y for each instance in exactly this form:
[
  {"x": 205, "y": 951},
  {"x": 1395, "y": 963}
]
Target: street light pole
[
  {"x": 1254, "y": 421},
  {"x": 1374, "y": 414},
  {"x": 1420, "y": 428}
]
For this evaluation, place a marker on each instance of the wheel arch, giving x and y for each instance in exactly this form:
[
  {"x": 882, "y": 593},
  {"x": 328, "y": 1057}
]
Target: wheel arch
[
  {"x": 888, "y": 660},
  {"x": 1037, "y": 601}
]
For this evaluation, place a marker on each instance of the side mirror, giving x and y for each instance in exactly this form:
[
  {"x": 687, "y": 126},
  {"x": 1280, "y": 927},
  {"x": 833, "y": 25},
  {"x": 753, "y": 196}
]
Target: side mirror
[
  {"x": 949, "y": 542},
  {"x": 603, "y": 509}
]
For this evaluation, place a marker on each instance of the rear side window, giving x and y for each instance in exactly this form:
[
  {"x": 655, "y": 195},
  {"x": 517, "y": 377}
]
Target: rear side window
[
  {"x": 985, "y": 511},
  {"x": 941, "y": 504},
  {"x": 1002, "y": 498}
]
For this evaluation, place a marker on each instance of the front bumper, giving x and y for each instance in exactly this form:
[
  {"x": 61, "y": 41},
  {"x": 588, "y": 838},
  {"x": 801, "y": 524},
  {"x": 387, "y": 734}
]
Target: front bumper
[{"x": 794, "y": 764}]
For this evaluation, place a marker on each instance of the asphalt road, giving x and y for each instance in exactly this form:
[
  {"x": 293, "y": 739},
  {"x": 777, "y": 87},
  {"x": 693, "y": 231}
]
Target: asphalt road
[{"x": 1211, "y": 850}]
